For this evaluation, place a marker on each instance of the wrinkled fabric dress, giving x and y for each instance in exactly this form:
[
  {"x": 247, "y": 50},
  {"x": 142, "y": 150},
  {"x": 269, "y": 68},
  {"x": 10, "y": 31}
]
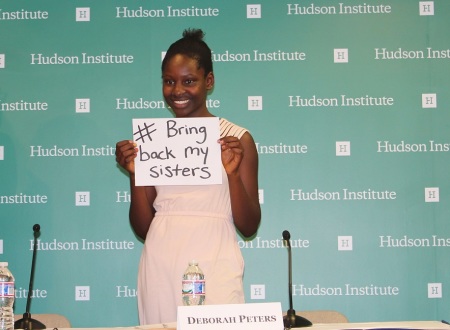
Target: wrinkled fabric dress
[{"x": 191, "y": 222}]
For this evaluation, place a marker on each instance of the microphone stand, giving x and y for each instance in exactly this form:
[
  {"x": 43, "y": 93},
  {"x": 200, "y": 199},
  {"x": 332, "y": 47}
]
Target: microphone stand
[
  {"x": 27, "y": 323},
  {"x": 291, "y": 320}
]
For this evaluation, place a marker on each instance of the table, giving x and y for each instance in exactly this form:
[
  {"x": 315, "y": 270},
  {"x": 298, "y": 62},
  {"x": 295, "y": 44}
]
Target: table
[{"x": 409, "y": 325}]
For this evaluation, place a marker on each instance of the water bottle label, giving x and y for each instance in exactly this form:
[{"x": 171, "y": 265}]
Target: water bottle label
[
  {"x": 6, "y": 289},
  {"x": 194, "y": 287},
  {"x": 199, "y": 287},
  {"x": 187, "y": 288}
]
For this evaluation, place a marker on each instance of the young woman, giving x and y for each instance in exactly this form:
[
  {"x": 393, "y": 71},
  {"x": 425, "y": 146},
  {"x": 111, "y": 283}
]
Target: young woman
[{"x": 181, "y": 223}]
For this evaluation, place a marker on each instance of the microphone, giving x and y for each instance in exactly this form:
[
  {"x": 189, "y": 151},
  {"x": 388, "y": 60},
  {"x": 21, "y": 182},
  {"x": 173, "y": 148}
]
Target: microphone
[
  {"x": 291, "y": 320},
  {"x": 27, "y": 323}
]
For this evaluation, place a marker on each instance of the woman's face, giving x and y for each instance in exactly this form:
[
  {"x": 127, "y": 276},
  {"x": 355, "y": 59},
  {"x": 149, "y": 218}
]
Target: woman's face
[{"x": 185, "y": 87}]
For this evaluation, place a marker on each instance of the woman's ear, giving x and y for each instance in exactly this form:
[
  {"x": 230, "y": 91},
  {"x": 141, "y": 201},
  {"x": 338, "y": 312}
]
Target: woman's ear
[{"x": 210, "y": 81}]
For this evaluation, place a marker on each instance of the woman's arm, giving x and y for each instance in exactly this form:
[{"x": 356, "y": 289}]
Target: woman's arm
[
  {"x": 240, "y": 160},
  {"x": 141, "y": 207}
]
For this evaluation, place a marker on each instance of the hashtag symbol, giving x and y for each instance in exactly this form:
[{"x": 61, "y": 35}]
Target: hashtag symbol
[{"x": 144, "y": 132}]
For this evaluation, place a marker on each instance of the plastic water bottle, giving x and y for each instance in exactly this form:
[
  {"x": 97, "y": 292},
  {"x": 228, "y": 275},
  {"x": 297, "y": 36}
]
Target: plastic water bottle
[
  {"x": 193, "y": 285},
  {"x": 6, "y": 297}
]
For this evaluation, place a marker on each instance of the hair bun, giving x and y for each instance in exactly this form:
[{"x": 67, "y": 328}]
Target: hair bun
[{"x": 193, "y": 34}]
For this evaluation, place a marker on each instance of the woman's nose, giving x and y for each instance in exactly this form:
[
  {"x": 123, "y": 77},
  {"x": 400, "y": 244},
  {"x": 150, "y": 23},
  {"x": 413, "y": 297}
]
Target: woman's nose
[{"x": 178, "y": 89}]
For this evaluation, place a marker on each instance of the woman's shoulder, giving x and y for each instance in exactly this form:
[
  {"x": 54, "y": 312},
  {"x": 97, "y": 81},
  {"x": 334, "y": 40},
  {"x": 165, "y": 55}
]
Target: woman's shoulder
[{"x": 227, "y": 128}]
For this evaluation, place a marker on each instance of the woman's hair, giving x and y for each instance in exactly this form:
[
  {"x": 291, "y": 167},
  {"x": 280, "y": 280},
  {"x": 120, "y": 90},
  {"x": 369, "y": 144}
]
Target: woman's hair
[{"x": 193, "y": 46}]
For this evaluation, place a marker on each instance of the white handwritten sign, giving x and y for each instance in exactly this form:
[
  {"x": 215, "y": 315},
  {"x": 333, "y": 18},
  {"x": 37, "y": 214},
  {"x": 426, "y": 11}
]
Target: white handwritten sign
[
  {"x": 177, "y": 151},
  {"x": 263, "y": 316}
]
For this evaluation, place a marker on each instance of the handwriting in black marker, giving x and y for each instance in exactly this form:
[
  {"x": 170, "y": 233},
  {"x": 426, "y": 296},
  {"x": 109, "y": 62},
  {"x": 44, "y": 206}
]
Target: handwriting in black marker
[{"x": 144, "y": 132}]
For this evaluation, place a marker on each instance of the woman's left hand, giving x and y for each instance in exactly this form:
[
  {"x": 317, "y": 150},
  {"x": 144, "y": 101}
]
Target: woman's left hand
[{"x": 232, "y": 154}]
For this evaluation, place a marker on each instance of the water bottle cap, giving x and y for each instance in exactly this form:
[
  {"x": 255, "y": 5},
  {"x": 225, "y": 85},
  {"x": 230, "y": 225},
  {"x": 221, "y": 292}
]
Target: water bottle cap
[
  {"x": 3, "y": 264},
  {"x": 193, "y": 262}
]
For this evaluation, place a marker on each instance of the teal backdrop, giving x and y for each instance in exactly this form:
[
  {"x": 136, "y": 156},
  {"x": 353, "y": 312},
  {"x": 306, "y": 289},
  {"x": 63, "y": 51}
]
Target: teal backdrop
[{"x": 349, "y": 105}]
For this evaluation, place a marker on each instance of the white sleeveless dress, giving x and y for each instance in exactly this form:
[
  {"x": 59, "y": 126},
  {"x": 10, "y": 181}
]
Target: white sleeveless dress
[{"x": 191, "y": 222}]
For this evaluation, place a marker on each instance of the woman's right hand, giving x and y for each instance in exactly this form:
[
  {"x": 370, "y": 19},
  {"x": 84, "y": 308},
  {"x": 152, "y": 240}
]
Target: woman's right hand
[{"x": 126, "y": 152}]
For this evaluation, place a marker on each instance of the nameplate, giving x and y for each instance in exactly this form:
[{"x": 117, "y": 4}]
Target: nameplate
[{"x": 263, "y": 316}]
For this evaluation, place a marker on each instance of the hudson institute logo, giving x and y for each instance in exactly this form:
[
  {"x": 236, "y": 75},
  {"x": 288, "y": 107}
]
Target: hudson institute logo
[
  {"x": 341, "y": 55},
  {"x": 426, "y": 8},
  {"x": 82, "y": 105},
  {"x": 345, "y": 243},
  {"x": 255, "y": 103},
  {"x": 342, "y": 101},
  {"x": 343, "y": 148},
  {"x": 169, "y": 12},
  {"x": 82, "y": 198},
  {"x": 21, "y": 293},
  {"x": 253, "y": 11},
  {"x": 83, "y": 14},
  {"x": 22, "y": 15},
  {"x": 341, "y": 9},
  {"x": 83, "y": 58},
  {"x": 429, "y": 101},
  {"x": 257, "y": 291},
  {"x": 434, "y": 290},
  {"x": 432, "y": 195},
  {"x": 82, "y": 293},
  {"x": 411, "y": 54}
]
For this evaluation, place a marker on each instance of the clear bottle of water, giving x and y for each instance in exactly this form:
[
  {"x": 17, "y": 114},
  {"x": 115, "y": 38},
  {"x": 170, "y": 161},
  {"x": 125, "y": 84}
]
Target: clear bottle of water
[
  {"x": 193, "y": 285},
  {"x": 6, "y": 297}
]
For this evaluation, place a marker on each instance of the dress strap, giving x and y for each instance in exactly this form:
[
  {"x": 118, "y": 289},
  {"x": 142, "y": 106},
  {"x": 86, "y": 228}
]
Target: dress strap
[{"x": 229, "y": 129}]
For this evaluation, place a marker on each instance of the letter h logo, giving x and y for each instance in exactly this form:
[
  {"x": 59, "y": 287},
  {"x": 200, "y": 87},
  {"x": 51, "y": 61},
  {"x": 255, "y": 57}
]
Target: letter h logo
[
  {"x": 345, "y": 243},
  {"x": 258, "y": 291},
  {"x": 341, "y": 55},
  {"x": 426, "y": 8},
  {"x": 82, "y": 198},
  {"x": 82, "y": 105},
  {"x": 83, "y": 14},
  {"x": 434, "y": 290},
  {"x": 343, "y": 148},
  {"x": 255, "y": 103},
  {"x": 432, "y": 194},
  {"x": 82, "y": 293},
  {"x": 253, "y": 11},
  {"x": 429, "y": 101}
]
